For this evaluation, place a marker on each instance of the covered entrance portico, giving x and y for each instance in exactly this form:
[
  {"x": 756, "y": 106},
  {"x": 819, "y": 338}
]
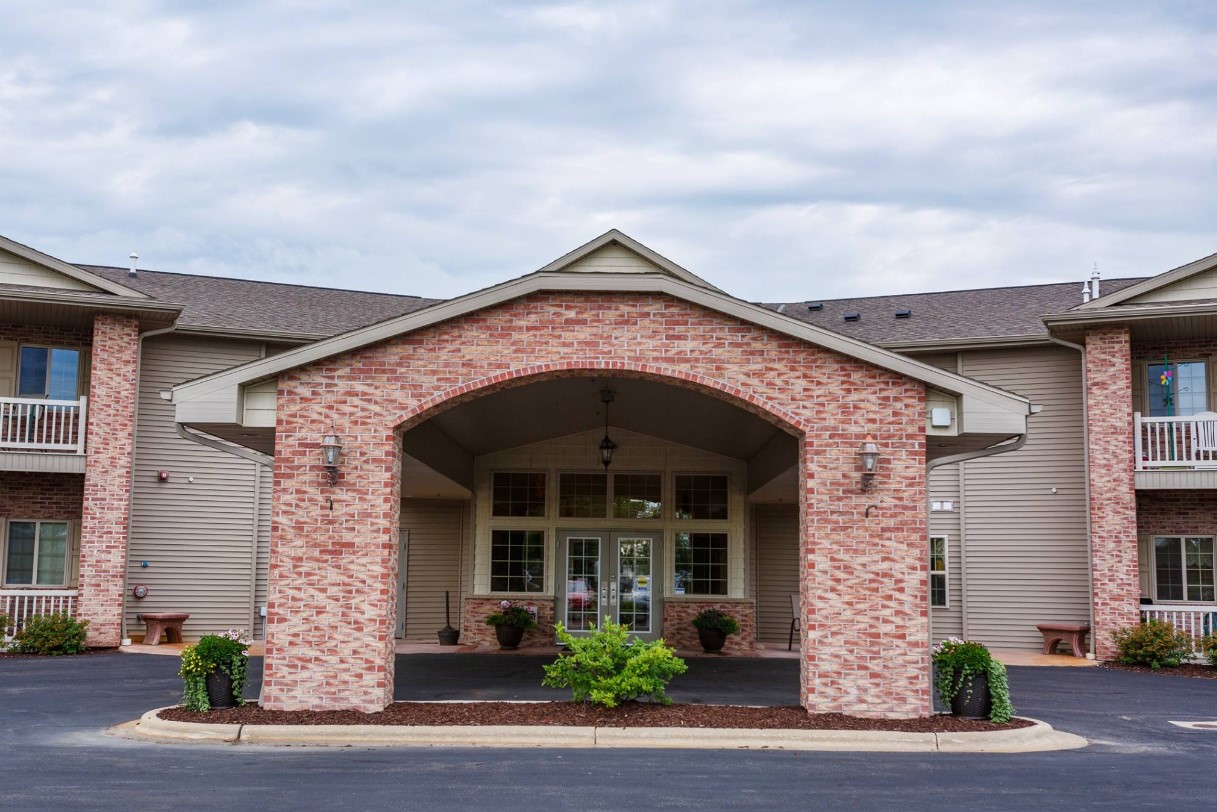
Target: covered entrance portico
[{"x": 861, "y": 560}]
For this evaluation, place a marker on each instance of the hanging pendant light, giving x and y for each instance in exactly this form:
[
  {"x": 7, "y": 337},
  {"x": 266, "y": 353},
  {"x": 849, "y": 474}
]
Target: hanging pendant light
[{"x": 607, "y": 446}]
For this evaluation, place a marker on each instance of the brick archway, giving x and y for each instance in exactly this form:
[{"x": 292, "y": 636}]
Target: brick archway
[{"x": 334, "y": 550}]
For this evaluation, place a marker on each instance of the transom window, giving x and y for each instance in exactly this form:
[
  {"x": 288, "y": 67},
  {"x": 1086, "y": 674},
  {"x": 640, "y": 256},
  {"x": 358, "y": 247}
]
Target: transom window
[
  {"x": 588, "y": 496},
  {"x": 518, "y": 494},
  {"x": 701, "y": 564},
  {"x": 938, "y": 572},
  {"x": 582, "y": 496},
  {"x": 517, "y": 560},
  {"x": 701, "y": 497},
  {"x": 1183, "y": 568},
  {"x": 637, "y": 496},
  {"x": 48, "y": 372},
  {"x": 36, "y": 553},
  {"x": 1177, "y": 389}
]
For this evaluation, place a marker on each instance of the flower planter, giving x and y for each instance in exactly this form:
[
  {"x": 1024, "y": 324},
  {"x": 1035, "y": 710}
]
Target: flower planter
[
  {"x": 509, "y": 636},
  {"x": 219, "y": 690},
  {"x": 712, "y": 640},
  {"x": 972, "y": 698}
]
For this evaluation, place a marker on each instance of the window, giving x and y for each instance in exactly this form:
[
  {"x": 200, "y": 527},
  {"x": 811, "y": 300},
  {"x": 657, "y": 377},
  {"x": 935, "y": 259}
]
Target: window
[
  {"x": 701, "y": 564},
  {"x": 1183, "y": 568},
  {"x": 518, "y": 495},
  {"x": 36, "y": 554},
  {"x": 582, "y": 496},
  {"x": 701, "y": 497},
  {"x": 517, "y": 561},
  {"x": 637, "y": 496},
  {"x": 938, "y": 572},
  {"x": 1178, "y": 389},
  {"x": 48, "y": 372}
]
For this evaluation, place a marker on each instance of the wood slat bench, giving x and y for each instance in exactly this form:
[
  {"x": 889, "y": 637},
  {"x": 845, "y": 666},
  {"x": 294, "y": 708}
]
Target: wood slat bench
[
  {"x": 167, "y": 623},
  {"x": 1075, "y": 633}
]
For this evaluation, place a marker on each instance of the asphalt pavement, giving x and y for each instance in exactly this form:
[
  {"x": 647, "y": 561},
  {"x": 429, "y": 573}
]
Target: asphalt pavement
[{"x": 55, "y": 753}]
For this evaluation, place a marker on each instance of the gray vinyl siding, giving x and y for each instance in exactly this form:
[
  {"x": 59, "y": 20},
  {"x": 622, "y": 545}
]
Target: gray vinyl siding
[
  {"x": 776, "y": 535},
  {"x": 197, "y": 537},
  {"x": 944, "y": 485},
  {"x": 436, "y": 557},
  {"x": 262, "y": 576},
  {"x": 1026, "y": 546}
]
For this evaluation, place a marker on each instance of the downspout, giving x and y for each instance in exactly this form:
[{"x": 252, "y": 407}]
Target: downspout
[
  {"x": 139, "y": 373},
  {"x": 1086, "y": 478}
]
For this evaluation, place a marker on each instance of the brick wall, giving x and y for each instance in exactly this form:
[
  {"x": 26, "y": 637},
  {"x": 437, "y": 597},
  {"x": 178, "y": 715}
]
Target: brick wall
[
  {"x": 334, "y": 570},
  {"x": 45, "y": 334},
  {"x": 1177, "y": 513},
  {"x": 107, "y": 480},
  {"x": 679, "y": 633},
  {"x": 1113, "y": 506},
  {"x": 27, "y": 495},
  {"x": 475, "y": 632}
]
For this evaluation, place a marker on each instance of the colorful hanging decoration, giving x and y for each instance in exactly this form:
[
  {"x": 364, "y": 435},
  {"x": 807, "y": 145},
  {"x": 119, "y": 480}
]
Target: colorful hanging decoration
[{"x": 1167, "y": 377}]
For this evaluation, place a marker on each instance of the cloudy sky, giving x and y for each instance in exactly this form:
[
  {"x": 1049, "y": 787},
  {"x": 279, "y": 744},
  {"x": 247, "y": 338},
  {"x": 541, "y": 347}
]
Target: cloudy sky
[{"x": 784, "y": 151}]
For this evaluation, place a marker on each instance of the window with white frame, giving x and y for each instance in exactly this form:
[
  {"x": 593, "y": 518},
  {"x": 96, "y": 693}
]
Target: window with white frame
[
  {"x": 938, "y": 572},
  {"x": 1176, "y": 389},
  {"x": 48, "y": 372},
  {"x": 36, "y": 553},
  {"x": 1183, "y": 568}
]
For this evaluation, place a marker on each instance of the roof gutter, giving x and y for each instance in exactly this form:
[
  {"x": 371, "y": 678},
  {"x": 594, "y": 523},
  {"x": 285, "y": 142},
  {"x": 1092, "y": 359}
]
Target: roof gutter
[{"x": 1079, "y": 318}]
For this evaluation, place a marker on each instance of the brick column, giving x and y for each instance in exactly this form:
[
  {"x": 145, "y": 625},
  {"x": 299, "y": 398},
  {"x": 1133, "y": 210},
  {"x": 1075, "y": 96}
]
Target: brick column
[
  {"x": 107, "y": 485},
  {"x": 865, "y": 639},
  {"x": 332, "y": 606},
  {"x": 1113, "y": 497}
]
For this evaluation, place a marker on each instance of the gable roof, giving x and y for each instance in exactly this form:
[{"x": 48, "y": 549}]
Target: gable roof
[
  {"x": 1153, "y": 283},
  {"x": 72, "y": 271},
  {"x": 577, "y": 261}
]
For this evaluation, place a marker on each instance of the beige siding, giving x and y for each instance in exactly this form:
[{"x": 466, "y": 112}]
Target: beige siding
[
  {"x": 776, "y": 536},
  {"x": 15, "y": 270},
  {"x": 944, "y": 486},
  {"x": 260, "y": 403},
  {"x": 435, "y": 561},
  {"x": 1201, "y": 286},
  {"x": 1026, "y": 546},
  {"x": 612, "y": 258},
  {"x": 197, "y": 536}
]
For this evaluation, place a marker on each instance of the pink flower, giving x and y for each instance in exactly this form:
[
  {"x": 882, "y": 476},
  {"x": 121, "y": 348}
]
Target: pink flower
[{"x": 505, "y": 605}]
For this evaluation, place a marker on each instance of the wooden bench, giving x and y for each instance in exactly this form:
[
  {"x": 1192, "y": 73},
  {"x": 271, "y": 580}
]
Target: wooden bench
[
  {"x": 1075, "y": 633},
  {"x": 166, "y": 623}
]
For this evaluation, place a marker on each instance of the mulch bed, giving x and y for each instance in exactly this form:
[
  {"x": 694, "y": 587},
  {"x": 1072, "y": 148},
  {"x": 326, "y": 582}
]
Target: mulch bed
[
  {"x": 1192, "y": 670},
  {"x": 11, "y": 656},
  {"x": 630, "y": 714}
]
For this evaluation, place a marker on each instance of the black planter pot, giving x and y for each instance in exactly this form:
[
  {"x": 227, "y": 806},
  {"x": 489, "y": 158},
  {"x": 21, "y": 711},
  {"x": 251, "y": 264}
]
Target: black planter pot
[
  {"x": 448, "y": 636},
  {"x": 972, "y": 698},
  {"x": 509, "y": 636},
  {"x": 219, "y": 690},
  {"x": 712, "y": 640}
]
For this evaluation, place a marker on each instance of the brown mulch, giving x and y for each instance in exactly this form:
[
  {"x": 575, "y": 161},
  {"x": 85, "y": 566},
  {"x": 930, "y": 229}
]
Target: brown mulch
[
  {"x": 1193, "y": 670},
  {"x": 12, "y": 656},
  {"x": 630, "y": 714}
]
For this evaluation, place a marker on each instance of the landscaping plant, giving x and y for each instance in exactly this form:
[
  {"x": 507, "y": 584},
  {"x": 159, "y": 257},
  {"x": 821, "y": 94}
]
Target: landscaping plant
[
  {"x": 716, "y": 620},
  {"x": 4, "y": 621},
  {"x": 607, "y": 668},
  {"x": 1153, "y": 643},
  {"x": 1208, "y": 647},
  {"x": 54, "y": 634},
  {"x": 227, "y": 652},
  {"x": 512, "y": 614},
  {"x": 955, "y": 660}
]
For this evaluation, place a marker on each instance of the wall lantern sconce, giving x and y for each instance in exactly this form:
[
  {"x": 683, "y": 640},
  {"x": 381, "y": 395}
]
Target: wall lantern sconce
[
  {"x": 869, "y": 455},
  {"x": 607, "y": 446},
  {"x": 331, "y": 453}
]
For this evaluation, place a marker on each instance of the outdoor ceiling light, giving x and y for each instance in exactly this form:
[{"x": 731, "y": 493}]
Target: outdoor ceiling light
[
  {"x": 331, "y": 453},
  {"x": 869, "y": 455},
  {"x": 607, "y": 446}
]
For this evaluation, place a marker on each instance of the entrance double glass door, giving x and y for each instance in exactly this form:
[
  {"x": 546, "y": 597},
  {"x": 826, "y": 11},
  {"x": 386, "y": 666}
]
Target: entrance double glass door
[{"x": 610, "y": 575}]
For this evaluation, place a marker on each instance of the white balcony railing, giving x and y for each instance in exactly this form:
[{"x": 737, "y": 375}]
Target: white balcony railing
[
  {"x": 1195, "y": 619},
  {"x": 18, "y": 604},
  {"x": 37, "y": 424},
  {"x": 1175, "y": 442}
]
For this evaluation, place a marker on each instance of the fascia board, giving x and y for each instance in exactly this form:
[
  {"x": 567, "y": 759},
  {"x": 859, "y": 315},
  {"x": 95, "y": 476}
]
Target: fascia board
[
  {"x": 625, "y": 283},
  {"x": 59, "y": 266},
  {"x": 1145, "y": 312},
  {"x": 93, "y": 300},
  {"x": 1150, "y": 285}
]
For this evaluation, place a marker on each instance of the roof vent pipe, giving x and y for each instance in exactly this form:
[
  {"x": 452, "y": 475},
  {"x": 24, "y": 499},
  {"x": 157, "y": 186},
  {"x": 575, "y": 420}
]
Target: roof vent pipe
[
  {"x": 134, "y": 259},
  {"x": 1094, "y": 282},
  {"x": 1085, "y": 292}
]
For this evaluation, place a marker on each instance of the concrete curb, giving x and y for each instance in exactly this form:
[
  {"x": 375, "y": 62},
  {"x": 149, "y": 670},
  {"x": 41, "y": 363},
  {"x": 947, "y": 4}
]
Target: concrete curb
[{"x": 1039, "y": 738}]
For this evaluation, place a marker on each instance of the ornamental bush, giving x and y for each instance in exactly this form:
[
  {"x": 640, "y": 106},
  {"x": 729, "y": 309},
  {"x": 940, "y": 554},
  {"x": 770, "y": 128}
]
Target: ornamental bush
[
  {"x": 512, "y": 614},
  {"x": 1208, "y": 646},
  {"x": 716, "y": 620},
  {"x": 54, "y": 634},
  {"x": 607, "y": 668},
  {"x": 955, "y": 659},
  {"x": 1153, "y": 643},
  {"x": 227, "y": 652}
]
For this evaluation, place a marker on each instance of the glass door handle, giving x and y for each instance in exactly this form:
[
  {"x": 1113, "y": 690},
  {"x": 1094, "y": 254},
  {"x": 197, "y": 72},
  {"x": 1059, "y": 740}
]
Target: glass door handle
[
  {"x": 604, "y": 596},
  {"x": 613, "y": 592}
]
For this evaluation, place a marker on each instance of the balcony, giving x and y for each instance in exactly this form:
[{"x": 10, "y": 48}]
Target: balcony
[
  {"x": 1175, "y": 452},
  {"x": 41, "y": 425}
]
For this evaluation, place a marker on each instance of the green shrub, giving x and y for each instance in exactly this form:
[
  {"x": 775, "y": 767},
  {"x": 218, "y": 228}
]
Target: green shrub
[
  {"x": 51, "y": 634},
  {"x": 607, "y": 668},
  {"x": 1208, "y": 645},
  {"x": 512, "y": 614},
  {"x": 227, "y": 652},
  {"x": 1153, "y": 643},
  {"x": 4, "y": 621},
  {"x": 955, "y": 659},
  {"x": 716, "y": 620}
]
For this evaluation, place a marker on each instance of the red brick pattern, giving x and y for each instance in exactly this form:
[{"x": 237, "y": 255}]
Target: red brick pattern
[
  {"x": 678, "y": 631},
  {"x": 107, "y": 481},
  {"x": 475, "y": 632},
  {"x": 44, "y": 334},
  {"x": 53, "y": 497},
  {"x": 333, "y": 571},
  {"x": 1177, "y": 513},
  {"x": 1113, "y": 504}
]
